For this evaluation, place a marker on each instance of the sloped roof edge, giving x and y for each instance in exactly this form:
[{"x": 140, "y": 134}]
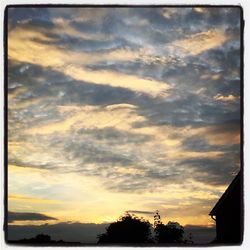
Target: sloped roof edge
[{"x": 225, "y": 194}]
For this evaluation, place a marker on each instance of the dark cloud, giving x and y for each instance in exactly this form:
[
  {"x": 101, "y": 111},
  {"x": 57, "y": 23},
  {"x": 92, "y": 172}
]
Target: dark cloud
[
  {"x": 90, "y": 152},
  {"x": 109, "y": 24},
  {"x": 214, "y": 171},
  {"x": 79, "y": 44},
  {"x": 189, "y": 109},
  {"x": 141, "y": 25},
  {"x": 21, "y": 216},
  {"x": 212, "y": 17},
  {"x": 29, "y": 17},
  {"x": 200, "y": 145},
  {"x": 140, "y": 212},
  {"x": 48, "y": 84},
  {"x": 147, "y": 66},
  {"x": 115, "y": 137},
  {"x": 161, "y": 173},
  {"x": 25, "y": 164},
  {"x": 226, "y": 59},
  {"x": 132, "y": 183}
]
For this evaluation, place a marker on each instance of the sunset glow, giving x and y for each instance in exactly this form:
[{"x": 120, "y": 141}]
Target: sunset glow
[{"x": 122, "y": 109}]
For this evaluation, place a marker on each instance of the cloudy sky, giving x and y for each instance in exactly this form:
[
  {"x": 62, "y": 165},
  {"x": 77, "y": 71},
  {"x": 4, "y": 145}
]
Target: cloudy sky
[{"x": 121, "y": 109}]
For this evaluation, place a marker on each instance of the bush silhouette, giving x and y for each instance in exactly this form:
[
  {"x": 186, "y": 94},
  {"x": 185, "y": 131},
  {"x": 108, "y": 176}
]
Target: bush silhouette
[{"x": 128, "y": 229}]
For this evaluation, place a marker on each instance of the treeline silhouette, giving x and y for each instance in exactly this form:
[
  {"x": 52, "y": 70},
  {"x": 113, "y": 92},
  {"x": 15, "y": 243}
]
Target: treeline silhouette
[
  {"x": 129, "y": 229},
  {"x": 42, "y": 239}
]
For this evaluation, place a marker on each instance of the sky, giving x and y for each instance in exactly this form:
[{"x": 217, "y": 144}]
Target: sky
[{"x": 121, "y": 109}]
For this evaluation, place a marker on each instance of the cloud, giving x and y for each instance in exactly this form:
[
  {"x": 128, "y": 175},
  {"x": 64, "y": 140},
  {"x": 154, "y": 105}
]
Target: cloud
[
  {"x": 222, "y": 134},
  {"x": 31, "y": 199},
  {"x": 91, "y": 117},
  {"x": 44, "y": 87},
  {"x": 139, "y": 212},
  {"x": 200, "y": 10},
  {"x": 97, "y": 141},
  {"x": 21, "y": 216},
  {"x": 200, "y": 42},
  {"x": 19, "y": 16},
  {"x": 64, "y": 26},
  {"x": 194, "y": 154},
  {"x": 228, "y": 98},
  {"x": 109, "y": 150},
  {"x": 214, "y": 171},
  {"x": 69, "y": 63},
  {"x": 114, "y": 79}
]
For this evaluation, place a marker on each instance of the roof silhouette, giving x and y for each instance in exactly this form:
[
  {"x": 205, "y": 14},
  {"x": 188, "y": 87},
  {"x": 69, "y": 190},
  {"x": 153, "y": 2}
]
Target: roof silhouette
[{"x": 230, "y": 188}]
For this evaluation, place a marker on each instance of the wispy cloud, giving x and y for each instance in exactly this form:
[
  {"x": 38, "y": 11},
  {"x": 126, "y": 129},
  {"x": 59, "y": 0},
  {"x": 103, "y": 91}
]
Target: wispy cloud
[{"x": 139, "y": 212}]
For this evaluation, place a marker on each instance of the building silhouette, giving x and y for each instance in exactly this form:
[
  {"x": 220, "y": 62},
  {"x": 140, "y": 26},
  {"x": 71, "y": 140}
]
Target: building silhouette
[{"x": 228, "y": 214}]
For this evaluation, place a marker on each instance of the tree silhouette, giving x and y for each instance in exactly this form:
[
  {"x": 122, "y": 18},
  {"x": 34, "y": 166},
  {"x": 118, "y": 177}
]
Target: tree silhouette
[
  {"x": 157, "y": 218},
  {"x": 172, "y": 232},
  {"x": 128, "y": 229},
  {"x": 131, "y": 229}
]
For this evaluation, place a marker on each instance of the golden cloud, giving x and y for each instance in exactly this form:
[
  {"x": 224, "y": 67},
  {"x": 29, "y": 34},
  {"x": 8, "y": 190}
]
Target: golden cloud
[
  {"x": 229, "y": 98},
  {"x": 199, "y": 42},
  {"x": 23, "y": 46},
  {"x": 91, "y": 117},
  {"x": 200, "y": 10}
]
